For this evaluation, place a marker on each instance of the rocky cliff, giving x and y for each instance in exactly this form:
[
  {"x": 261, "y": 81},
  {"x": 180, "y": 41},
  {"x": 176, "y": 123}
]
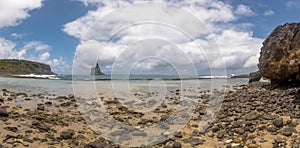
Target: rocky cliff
[
  {"x": 280, "y": 55},
  {"x": 14, "y": 66},
  {"x": 96, "y": 70}
]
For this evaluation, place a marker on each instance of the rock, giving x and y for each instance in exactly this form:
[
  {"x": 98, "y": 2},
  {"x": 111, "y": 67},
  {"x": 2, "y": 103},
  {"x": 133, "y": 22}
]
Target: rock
[
  {"x": 3, "y": 112},
  {"x": 254, "y": 77},
  {"x": 253, "y": 145},
  {"x": 125, "y": 137},
  {"x": 40, "y": 107},
  {"x": 280, "y": 55},
  {"x": 287, "y": 132},
  {"x": 139, "y": 133},
  {"x": 278, "y": 122},
  {"x": 13, "y": 129},
  {"x": 252, "y": 116},
  {"x": 16, "y": 66},
  {"x": 96, "y": 70},
  {"x": 176, "y": 145},
  {"x": 269, "y": 117},
  {"x": 215, "y": 129},
  {"x": 220, "y": 135},
  {"x": 178, "y": 135},
  {"x": 67, "y": 134},
  {"x": 100, "y": 143},
  {"x": 119, "y": 132}
]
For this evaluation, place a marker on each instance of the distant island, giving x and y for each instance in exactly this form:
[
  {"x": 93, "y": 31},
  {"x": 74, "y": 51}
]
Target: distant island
[
  {"x": 15, "y": 67},
  {"x": 96, "y": 70}
]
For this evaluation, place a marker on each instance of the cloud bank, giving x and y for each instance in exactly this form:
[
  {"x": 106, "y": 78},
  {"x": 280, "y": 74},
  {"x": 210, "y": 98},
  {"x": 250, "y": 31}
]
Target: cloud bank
[{"x": 219, "y": 39}]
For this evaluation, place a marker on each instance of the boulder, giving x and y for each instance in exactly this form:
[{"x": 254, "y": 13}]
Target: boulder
[
  {"x": 280, "y": 55},
  {"x": 254, "y": 77}
]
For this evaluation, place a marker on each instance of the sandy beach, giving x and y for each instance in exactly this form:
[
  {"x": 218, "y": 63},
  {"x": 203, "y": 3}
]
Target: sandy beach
[{"x": 249, "y": 116}]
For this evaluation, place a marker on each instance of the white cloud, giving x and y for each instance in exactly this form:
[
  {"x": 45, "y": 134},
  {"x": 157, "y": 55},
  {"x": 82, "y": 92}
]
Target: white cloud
[
  {"x": 237, "y": 46},
  {"x": 34, "y": 51},
  {"x": 244, "y": 10},
  {"x": 293, "y": 5},
  {"x": 17, "y": 36},
  {"x": 12, "y": 12},
  {"x": 269, "y": 13}
]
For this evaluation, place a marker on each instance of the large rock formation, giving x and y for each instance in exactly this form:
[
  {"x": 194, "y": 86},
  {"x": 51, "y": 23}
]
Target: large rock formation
[
  {"x": 14, "y": 66},
  {"x": 96, "y": 70},
  {"x": 280, "y": 55}
]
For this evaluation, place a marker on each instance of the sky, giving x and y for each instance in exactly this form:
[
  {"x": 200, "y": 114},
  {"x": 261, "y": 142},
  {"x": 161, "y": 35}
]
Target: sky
[{"x": 142, "y": 37}]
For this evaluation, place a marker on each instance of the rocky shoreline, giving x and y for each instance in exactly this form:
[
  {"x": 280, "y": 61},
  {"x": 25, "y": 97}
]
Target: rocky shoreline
[{"x": 250, "y": 116}]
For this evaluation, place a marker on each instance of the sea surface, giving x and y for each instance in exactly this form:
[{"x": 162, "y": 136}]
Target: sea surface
[{"x": 65, "y": 85}]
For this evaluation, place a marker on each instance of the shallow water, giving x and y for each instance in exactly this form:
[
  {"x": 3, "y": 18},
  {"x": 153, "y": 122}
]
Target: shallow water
[{"x": 66, "y": 87}]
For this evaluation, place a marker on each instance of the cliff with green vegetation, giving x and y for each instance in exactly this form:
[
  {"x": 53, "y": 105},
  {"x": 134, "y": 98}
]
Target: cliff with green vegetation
[{"x": 14, "y": 66}]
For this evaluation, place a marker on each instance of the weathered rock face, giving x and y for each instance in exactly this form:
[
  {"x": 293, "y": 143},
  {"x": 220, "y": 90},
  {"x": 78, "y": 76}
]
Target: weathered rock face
[
  {"x": 96, "y": 70},
  {"x": 280, "y": 55}
]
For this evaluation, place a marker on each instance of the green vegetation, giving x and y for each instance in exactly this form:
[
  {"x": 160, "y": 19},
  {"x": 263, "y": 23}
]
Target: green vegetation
[{"x": 15, "y": 66}]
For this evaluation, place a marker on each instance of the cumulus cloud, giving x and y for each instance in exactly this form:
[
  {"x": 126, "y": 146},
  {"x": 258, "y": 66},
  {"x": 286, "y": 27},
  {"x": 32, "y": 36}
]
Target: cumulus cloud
[
  {"x": 201, "y": 34},
  {"x": 269, "y": 13},
  {"x": 244, "y": 10},
  {"x": 34, "y": 51},
  {"x": 12, "y": 12}
]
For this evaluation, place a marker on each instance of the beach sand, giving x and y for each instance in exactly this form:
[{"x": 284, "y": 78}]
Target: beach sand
[{"x": 248, "y": 116}]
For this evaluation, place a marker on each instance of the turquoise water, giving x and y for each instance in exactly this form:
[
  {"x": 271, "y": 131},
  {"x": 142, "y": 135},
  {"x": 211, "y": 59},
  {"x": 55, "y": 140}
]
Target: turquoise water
[{"x": 66, "y": 86}]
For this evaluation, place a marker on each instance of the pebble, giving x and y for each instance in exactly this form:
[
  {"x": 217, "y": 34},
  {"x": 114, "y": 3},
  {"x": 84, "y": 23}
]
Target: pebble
[
  {"x": 269, "y": 117},
  {"x": 278, "y": 123},
  {"x": 68, "y": 134},
  {"x": 3, "y": 112},
  {"x": 139, "y": 133},
  {"x": 176, "y": 145},
  {"x": 252, "y": 116},
  {"x": 287, "y": 132}
]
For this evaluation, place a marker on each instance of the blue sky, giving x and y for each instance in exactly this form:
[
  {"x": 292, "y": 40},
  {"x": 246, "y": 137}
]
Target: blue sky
[{"x": 52, "y": 31}]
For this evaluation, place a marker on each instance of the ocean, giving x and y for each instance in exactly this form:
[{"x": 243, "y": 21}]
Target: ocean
[{"x": 65, "y": 85}]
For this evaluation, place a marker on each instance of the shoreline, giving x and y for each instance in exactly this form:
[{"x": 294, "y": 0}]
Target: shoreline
[{"x": 250, "y": 115}]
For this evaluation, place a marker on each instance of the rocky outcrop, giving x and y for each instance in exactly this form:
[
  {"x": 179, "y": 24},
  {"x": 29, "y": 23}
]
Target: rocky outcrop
[
  {"x": 14, "y": 66},
  {"x": 254, "y": 77},
  {"x": 280, "y": 55},
  {"x": 96, "y": 70}
]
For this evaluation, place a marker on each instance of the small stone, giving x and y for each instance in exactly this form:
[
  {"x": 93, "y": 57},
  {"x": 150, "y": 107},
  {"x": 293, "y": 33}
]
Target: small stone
[
  {"x": 252, "y": 116},
  {"x": 13, "y": 129},
  {"x": 235, "y": 145},
  {"x": 202, "y": 112},
  {"x": 215, "y": 129},
  {"x": 269, "y": 117},
  {"x": 3, "y": 112},
  {"x": 278, "y": 123},
  {"x": 176, "y": 145},
  {"x": 238, "y": 140},
  {"x": 21, "y": 141},
  {"x": 119, "y": 132},
  {"x": 48, "y": 103},
  {"x": 197, "y": 141},
  {"x": 40, "y": 107},
  {"x": 139, "y": 133},
  {"x": 178, "y": 135},
  {"x": 271, "y": 129},
  {"x": 228, "y": 141},
  {"x": 287, "y": 132},
  {"x": 262, "y": 140},
  {"x": 253, "y": 145},
  {"x": 220, "y": 135},
  {"x": 125, "y": 137},
  {"x": 239, "y": 131},
  {"x": 67, "y": 134}
]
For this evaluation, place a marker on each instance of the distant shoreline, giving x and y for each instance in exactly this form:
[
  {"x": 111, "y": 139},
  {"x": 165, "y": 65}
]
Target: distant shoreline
[{"x": 121, "y": 77}]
